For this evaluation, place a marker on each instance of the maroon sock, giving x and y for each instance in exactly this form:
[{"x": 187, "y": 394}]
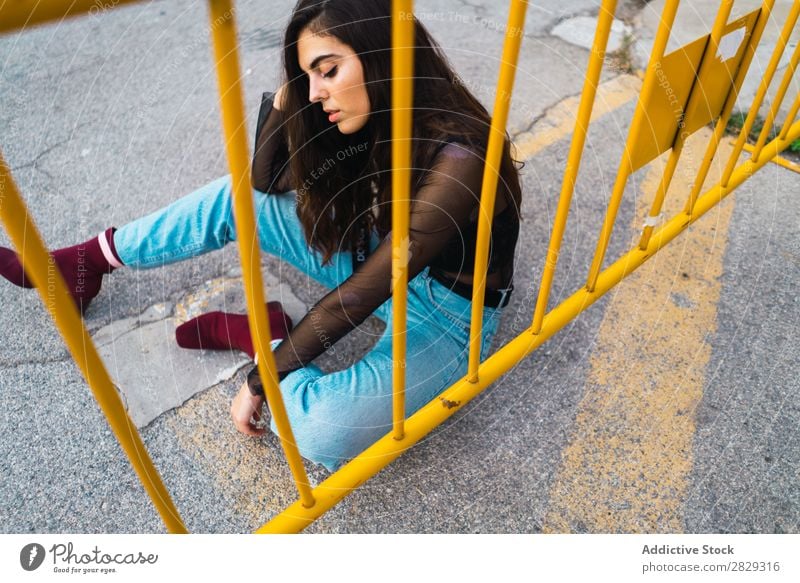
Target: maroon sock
[
  {"x": 82, "y": 266},
  {"x": 225, "y": 331}
]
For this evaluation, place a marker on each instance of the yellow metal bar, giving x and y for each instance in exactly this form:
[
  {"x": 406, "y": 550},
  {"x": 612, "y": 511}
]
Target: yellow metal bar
[
  {"x": 780, "y": 161},
  {"x": 402, "y": 104},
  {"x": 596, "y": 57},
  {"x": 295, "y": 518},
  {"x": 730, "y": 101},
  {"x": 51, "y": 287},
  {"x": 776, "y": 102},
  {"x": 696, "y": 98},
  {"x": 17, "y": 14},
  {"x": 790, "y": 117},
  {"x": 223, "y": 31},
  {"x": 639, "y": 117},
  {"x": 777, "y": 53},
  {"x": 661, "y": 193},
  {"x": 494, "y": 152}
]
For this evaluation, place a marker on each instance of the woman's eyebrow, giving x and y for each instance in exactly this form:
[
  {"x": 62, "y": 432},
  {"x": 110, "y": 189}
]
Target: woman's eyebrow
[{"x": 321, "y": 58}]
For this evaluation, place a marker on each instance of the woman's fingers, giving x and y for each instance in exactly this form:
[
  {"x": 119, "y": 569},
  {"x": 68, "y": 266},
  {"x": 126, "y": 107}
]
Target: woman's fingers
[{"x": 246, "y": 412}]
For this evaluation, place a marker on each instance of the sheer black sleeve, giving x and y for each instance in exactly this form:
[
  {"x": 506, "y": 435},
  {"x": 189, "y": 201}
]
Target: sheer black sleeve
[
  {"x": 442, "y": 206},
  {"x": 271, "y": 155}
]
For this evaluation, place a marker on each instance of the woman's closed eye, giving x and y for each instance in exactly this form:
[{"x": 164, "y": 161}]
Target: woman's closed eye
[{"x": 331, "y": 72}]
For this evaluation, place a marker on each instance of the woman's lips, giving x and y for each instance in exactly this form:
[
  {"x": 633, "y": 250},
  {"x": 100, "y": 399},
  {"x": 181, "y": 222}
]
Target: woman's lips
[{"x": 334, "y": 116}]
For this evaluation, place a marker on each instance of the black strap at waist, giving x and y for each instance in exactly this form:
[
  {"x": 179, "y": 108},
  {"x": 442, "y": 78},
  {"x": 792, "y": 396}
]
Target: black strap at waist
[{"x": 493, "y": 298}]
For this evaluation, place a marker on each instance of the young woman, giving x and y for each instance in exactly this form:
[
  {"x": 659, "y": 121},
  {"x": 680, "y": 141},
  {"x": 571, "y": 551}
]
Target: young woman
[{"x": 322, "y": 176}]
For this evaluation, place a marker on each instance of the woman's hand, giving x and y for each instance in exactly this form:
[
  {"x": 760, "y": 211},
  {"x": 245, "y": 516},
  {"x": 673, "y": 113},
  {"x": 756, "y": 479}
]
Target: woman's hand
[{"x": 246, "y": 412}]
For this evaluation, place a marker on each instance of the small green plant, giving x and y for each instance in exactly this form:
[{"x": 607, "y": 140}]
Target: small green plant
[
  {"x": 736, "y": 123},
  {"x": 622, "y": 58}
]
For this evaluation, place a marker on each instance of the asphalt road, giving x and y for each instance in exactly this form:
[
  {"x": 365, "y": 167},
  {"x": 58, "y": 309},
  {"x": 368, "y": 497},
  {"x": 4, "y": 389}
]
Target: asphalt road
[{"x": 107, "y": 118}]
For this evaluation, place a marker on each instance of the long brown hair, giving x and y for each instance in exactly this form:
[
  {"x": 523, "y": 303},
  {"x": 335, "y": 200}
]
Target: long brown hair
[{"x": 340, "y": 177}]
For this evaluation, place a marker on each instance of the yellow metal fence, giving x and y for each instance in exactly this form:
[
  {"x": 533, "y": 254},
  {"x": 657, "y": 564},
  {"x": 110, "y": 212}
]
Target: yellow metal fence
[{"x": 702, "y": 83}]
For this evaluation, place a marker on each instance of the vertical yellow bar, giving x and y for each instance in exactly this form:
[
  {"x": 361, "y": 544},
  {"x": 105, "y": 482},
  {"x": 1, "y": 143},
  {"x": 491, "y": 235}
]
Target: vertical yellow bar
[
  {"x": 51, "y": 287},
  {"x": 780, "y": 46},
  {"x": 604, "y": 21},
  {"x": 730, "y": 101},
  {"x": 790, "y": 117},
  {"x": 776, "y": 102},
  {"x": 696, "y": 97},
  {"x": 494, "y": 152},
  {"x": 402, "y": 104},
  {"x": 651, "y": 220},
  {"x": 625, "y": 166},
  {"x": 223, "y": 29}
]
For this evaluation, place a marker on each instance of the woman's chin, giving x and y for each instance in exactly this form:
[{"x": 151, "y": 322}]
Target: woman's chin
[
  {"x": 351, "y": 126},
  {"x": 344, "y": 127}
]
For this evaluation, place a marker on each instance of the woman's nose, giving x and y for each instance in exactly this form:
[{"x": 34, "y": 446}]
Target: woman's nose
[{"x": 315, "y": 91}]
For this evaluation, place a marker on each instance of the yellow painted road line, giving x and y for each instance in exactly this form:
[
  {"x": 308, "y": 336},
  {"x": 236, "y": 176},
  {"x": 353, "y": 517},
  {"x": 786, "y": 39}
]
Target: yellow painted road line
[
  {"x": 627, "y": 465},
  {"x": 560, "y": 119}
]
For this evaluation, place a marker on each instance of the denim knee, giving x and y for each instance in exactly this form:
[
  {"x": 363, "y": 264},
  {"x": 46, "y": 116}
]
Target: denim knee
[
  {"x": 331, "y": 427},
  {"x": 216, "y": 209}
]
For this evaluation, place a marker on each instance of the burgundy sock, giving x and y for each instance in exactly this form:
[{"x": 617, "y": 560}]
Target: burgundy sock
[
  {"x": 225, "y": 331},
  {"x": 82, "y": 266}
]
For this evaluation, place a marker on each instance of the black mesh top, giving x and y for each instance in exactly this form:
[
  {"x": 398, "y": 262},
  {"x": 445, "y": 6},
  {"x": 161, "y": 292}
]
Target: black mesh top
[{"x": 442, "y": 232}]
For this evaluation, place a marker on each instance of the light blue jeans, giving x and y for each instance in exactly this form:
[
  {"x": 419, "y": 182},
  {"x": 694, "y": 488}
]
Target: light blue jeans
[{"x": 337, "y": 415}]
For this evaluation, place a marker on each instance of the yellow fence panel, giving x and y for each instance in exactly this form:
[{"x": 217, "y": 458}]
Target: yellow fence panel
[{"x": 677, "y": 80}]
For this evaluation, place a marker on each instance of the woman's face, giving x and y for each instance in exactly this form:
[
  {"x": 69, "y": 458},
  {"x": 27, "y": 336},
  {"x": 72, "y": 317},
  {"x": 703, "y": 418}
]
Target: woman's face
[{"x": 336, "y": 80}]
